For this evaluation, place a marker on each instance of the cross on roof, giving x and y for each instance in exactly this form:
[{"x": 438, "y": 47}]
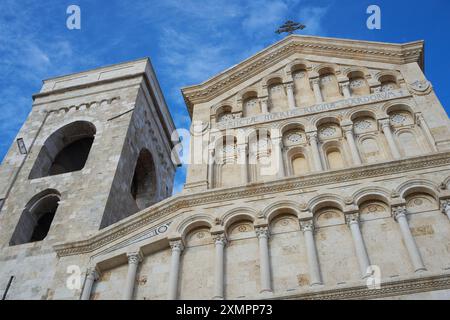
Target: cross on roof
[{"x": 289, "y": 27}]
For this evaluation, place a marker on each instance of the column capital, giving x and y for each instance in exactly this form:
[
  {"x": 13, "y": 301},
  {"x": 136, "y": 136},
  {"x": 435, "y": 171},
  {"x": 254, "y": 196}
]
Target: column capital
[
  {"x": 307, "y": 225},
  {"x": 134, "y": 257},
  {"x": 262, "y": 232},
  {"x": 352, "y": 218},
  {"x": 345, "y": 84},
  {"x": 93, "y": 273},
  {"x": 312, "y": 135},
  {"x": 419, "y": 117},
  {"x": 289, "y": 85},
  {"x": 445, "y": 205},
  {"x": 398, "y": 212},
  {"x": 315, "y": 81},
  {"x": 384, "y": 123},
  {"x": 176, "y": 245},
  {"x": 348, "y": 128},
  {"x": 220, "y": 238}
]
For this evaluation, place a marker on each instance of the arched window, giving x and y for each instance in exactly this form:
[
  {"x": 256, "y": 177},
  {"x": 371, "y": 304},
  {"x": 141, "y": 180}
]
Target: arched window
[
  {"x": 66, "y": 150},
  {"x": 143, "y": 186},
  {"x": 36, "y": 219}
]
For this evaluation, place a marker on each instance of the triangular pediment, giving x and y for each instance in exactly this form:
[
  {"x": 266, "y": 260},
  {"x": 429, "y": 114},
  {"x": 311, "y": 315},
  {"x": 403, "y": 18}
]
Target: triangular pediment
[{"x": 295, "y": 44}]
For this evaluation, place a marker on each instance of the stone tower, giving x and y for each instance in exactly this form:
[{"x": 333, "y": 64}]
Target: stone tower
[
  {"x": 95, "y": 149},
  {"x": 319, "y": 169}
]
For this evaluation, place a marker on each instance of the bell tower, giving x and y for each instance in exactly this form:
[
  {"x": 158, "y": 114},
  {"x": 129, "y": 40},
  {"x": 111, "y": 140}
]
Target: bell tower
[{"x": 95, "y": 149}]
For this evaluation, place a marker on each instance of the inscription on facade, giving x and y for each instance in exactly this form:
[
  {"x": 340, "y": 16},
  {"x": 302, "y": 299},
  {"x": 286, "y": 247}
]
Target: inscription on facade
[{"x": 323, "y": 107}]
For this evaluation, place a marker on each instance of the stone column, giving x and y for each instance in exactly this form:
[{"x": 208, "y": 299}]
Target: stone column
[
  {"x": 91, "y": 276},
  {"x": 133, "y": 263},
  {"x": 220, "y": 242},
  {"x": 243, "y": 162},
  {"x": 358, "y": 241},
  {"x": 352, "y": 144},
  {"x": 446, "y": 207},
  {"x": 414, "y": 253},
  {"x": 211, "y": 168},
  {"x": 290, "y": 95},
  {"x": 426, "y": 131},
  {"x": 307, "y": 227},
  {"x": 264, "y": 105},
  {"x": 313, "y": 142},
  {"x": 177, "y": 248},
  {"x": 317, "y": 91},
  {"x": 264, "y": 264},
  {"x": 386, "y": 127},
  {"x": 346, "y": 90},
  {"x": 277, "y": 144}
]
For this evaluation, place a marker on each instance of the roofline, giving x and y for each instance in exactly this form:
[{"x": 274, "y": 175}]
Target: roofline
[
  {"x": 68, "y": 75},
  {"x": 304, "y": 37}
]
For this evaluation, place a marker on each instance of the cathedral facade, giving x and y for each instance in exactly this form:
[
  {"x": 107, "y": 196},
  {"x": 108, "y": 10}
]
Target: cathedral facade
[{"x": 318, "y": 168}]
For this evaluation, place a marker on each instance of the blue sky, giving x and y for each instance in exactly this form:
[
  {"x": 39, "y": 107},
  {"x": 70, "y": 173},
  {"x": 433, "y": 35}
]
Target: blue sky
[{"x": 188, "y": 41}]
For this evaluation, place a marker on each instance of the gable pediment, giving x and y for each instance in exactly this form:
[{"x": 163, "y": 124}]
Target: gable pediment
[{"x": 325, "y": 47}]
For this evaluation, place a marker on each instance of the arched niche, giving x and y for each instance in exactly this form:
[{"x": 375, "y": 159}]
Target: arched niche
[
  {"x": 261, "y": 162},
  {"x": 224, "y": 114},
  {"x": 329, "y": 84},
  {"x": 241, "y": 260},
  {"x": 277, "y": 95},
  {"x": 388, "y": 82},
  {"x": 197, "y": 279},
  {"x": 338, "y": 262},
  {"x": 250, "y": 103},
  {"x": 36, "y": 219},
  {"x": 66, "y": 150},
  {"x": 334, "y": 155},
  {"x": 304, "y": 94},
  {"x": 358, "y": 83}
]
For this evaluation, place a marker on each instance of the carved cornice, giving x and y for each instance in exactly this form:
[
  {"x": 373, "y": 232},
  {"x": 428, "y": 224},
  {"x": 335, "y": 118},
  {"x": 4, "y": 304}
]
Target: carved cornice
[
  {"x": 389, "y": 289},
  {"x": 171, "y": 205},
  {"x": 329, "y": 47}
]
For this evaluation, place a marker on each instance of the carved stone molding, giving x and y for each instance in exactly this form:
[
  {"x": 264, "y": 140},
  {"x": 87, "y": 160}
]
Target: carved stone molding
[
  {"x": 351, "y": 218},
  {"x": 307, "y": 225},
  {"x": 176, "y": 245},
  {"x": 399, "y": 211},
  {"x": 388, "y": 289},
  {"x": 220, "y": 238},
  {"x": 262, "y": 232},
  {"x": 420, "y": 87},
  {"x": 134, "y": 257},
  {"x": 445, "y": 206}
]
